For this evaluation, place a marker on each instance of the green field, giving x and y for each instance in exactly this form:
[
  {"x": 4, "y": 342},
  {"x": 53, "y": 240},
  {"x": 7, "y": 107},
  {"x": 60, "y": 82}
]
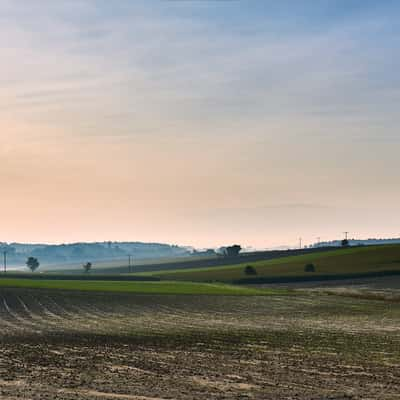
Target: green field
[
  {"x": 340, "y": 263},
  {"x": 164, "y": 287},
  {"x": 121, "y": 265}
]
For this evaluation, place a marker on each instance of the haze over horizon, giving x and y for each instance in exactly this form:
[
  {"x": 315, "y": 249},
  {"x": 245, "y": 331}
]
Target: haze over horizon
[{"x": 199, "y": 123}]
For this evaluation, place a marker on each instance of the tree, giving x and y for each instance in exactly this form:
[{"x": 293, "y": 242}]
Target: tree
[
  {"x": 345, "y": 242},
  {"x": 32, "y": 263},
  {"x": 233, "y": 251},
  {"x": 87, "y": 267},
  {"x": 250, "y": 270},
  {"x": 309, "y": 267}
]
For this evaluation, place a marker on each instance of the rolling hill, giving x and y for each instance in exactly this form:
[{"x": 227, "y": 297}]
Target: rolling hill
[{"x": 335, "y": 264}]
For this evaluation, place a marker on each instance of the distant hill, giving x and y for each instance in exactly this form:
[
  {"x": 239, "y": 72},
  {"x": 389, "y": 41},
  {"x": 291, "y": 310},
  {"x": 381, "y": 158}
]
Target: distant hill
[
  {"x": 358, "y": 242},
  {"x": 337, "y": 263},
  {"x": 17, "y": 253}
]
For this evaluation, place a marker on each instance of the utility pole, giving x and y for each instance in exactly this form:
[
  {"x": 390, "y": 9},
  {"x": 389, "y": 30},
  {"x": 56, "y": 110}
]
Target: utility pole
[
  {"x": 300, "y": 243},
  {"x": 5, "y": 260},
  {"x": 346, "y": 234}
]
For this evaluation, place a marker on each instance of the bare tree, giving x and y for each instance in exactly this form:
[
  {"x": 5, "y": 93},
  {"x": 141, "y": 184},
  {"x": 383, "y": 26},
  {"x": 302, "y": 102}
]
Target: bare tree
[{"x": 87, "y": 267}]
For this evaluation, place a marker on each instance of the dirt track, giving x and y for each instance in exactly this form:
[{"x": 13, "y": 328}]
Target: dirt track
[
  {"x": 391, "y": 282},
  {"x": 101, "y": 346}
]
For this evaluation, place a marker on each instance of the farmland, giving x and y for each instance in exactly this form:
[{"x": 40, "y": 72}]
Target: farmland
[
  {"x": 339, "y": 263},
  {"x": 93, "y": 345},
  {"x": 165, "y": 287},
  {"x": 91, "y": 337},
  {"x": 165, "y": 264}
]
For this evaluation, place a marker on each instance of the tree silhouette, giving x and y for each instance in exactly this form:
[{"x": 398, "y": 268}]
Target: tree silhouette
[
  {"x": 32, "y": 263},
  {"x": 345, "y": 242},
  {"x": 87, "y": 267},
  {"x": 232, "y": 251}
]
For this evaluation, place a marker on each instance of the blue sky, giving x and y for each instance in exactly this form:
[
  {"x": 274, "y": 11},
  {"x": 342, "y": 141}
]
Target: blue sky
[{"x": 194, "y": 118}]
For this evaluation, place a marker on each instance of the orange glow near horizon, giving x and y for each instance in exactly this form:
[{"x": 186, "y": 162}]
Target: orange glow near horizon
[{"x": 111, "y": 130}]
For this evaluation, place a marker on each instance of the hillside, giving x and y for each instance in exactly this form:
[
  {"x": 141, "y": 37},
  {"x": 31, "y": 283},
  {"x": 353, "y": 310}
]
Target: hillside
[
  {"x": 339, "y": 263},
  {"x": 17, "y": 253},
  {"x": 190, "y": 262}
]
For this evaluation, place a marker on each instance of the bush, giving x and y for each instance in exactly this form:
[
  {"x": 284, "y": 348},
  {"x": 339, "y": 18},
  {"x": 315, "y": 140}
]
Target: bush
[
  {"x": 309, "y": 267},
  {"x": 250, "y": 270}
]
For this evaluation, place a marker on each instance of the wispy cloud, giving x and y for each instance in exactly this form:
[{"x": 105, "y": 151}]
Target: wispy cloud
[
  {"x": 177, "y": 65},
  {"x": 201, "y": 104}
]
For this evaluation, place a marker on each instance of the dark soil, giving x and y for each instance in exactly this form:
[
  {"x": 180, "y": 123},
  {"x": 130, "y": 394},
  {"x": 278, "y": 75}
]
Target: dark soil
[{"x": 56, "y": 345}]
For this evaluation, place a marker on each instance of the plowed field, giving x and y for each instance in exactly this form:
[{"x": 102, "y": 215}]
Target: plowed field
[{"x": 77, "y": 345}]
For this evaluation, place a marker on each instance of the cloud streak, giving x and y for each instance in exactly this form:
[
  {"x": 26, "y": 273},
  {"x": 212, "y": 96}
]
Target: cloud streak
[{"x": 198, "y": 106}]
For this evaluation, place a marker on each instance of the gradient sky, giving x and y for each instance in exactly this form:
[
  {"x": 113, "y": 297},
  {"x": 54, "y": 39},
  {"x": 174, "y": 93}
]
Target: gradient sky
[{"x": 199, "y": 123}]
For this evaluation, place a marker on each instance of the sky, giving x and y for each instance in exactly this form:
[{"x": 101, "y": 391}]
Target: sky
[{"x": 199, "y": 123}]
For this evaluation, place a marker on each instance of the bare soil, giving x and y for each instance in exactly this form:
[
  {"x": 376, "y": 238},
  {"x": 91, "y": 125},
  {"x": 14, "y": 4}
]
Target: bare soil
[
  {"x": 63, "y": 345},
  {"x": 390, "y": 282}
]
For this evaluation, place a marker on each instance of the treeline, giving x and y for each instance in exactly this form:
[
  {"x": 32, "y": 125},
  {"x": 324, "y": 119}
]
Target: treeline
[
  {"x": 357, "y": 242},
  {"x": 17, "y": 253}
]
